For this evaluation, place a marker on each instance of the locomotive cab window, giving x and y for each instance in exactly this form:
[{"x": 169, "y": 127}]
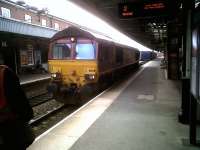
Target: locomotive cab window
[
  {"x": 85, "y": 49},
  {"x": 61, "y": 51}
]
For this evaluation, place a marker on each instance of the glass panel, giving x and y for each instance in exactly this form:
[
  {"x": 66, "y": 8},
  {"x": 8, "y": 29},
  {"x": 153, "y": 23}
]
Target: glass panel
[
  {"x": 23, "y": 57},
  {"x": 27, "y": 18},
  {"x": 61, "y": 51},
  {"x": 56, "y": 25},
  {"x": 44, "y": 23},
  {"x": 26, "y": 56},
  {"x": 85, "y": 51},
  {"x": 5, "y": 12}
]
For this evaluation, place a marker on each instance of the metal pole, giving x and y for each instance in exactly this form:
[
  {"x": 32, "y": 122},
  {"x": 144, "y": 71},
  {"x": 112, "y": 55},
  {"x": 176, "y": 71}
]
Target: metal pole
[
  {"x": 193, "y": 120},
  {"x": 193, "y": 100}
]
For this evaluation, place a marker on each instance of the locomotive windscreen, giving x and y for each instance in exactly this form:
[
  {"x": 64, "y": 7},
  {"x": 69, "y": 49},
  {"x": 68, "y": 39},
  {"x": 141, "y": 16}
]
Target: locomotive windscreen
[
  {"x": 80, "y": 49},
  {"x": 61, "y": 51},
  {"x": 85, "y": 51}
]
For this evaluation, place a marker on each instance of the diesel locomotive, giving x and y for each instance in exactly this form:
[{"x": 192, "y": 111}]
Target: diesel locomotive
[{"x": 79, "y": 58}]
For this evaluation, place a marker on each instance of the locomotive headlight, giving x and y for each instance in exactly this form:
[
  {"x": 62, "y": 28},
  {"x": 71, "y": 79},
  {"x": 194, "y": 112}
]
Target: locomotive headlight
[
  {"x": 89, "y": 76},
  {"x": 53, "y": 75},
  {"x": 72, "y": 39},
  {"x": 56, "y": 76}
]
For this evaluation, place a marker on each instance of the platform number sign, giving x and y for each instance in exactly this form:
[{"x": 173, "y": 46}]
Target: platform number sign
[{"x": 126, "y": 10}]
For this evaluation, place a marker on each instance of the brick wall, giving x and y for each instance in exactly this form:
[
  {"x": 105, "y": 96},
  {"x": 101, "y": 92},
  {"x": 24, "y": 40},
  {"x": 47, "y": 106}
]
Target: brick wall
[{"x": 18, "y": 12}]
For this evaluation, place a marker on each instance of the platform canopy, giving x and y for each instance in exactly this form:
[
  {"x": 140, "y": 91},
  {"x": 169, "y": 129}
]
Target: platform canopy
[{"x": 15, "y": 26}]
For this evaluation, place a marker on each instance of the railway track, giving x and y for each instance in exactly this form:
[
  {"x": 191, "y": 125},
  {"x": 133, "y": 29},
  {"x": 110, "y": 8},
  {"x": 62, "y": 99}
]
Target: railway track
[
  {"x": 43, "y": 105},
  {"x": 44, "y": 115},
  {"x": 39, "y": 99}
]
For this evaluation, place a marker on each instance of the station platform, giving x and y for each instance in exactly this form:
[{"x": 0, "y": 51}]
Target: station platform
[
  {"x": 31, "y": 78},
  {"x": 139, "y": 114}
]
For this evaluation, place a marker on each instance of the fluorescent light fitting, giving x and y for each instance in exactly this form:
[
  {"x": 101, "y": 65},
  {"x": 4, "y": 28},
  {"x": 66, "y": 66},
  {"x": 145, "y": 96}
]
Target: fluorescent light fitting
[{"x": 70, "y": 12}]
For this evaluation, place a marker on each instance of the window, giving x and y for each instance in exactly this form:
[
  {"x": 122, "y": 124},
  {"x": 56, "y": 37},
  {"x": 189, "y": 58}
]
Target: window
[
  {"x": 56, "y": 26},
  {"x": 44, "y": 22},
  {"x": 26, "y": 56},
  {"x": 27, "y": 18},
  {"x": 5, "y": 12},
  {"x": 85, "y": 51},
  {"x": 65, "y": 49},
  {"x": 61, "y": 51}
]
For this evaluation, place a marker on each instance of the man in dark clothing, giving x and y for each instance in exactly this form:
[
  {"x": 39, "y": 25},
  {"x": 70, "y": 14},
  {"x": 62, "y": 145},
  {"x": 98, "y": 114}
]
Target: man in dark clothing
[{"x": 13, "y": 129}]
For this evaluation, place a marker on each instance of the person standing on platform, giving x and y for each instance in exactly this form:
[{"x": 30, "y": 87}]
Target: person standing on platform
[{"x": 15, "y": 113}]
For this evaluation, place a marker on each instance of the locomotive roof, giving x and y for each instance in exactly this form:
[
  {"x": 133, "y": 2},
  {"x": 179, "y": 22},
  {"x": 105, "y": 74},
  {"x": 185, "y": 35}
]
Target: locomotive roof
[{"x": 73, "y": 31}]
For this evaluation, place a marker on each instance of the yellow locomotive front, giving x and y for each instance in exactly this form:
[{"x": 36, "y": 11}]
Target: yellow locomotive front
[{"x": 72, "y": 64}]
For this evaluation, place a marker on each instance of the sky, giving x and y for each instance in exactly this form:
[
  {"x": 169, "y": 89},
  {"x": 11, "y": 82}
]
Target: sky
[{"x": 67, "y": 10}]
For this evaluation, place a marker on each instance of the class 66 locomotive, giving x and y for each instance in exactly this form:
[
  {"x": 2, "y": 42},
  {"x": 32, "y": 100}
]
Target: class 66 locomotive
[{"x": 79, "y": 58}]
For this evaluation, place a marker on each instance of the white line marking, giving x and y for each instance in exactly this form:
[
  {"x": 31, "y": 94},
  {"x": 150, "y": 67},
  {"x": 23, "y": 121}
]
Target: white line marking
[{"x": 31, "y": 81}]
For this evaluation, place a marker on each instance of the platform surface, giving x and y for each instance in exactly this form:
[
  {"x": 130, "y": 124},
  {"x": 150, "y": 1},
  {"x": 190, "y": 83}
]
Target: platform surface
[
  {"x": 31, "y": 78},
  {"x": 139, "y": 114}
]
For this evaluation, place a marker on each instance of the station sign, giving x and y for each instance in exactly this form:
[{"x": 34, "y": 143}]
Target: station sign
[
  {"x": 127, "y": 10},
  {"x": 145, "y": 9}
]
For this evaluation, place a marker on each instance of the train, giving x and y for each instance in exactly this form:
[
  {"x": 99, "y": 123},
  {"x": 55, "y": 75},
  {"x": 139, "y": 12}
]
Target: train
[
  {"x": 147, "y": 55},
  {"x": 79, "y": 58}
]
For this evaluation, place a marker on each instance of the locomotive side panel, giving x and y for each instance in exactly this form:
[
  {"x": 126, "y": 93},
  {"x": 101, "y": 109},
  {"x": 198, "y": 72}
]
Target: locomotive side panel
[
  {"x": 106, "y": 58},
  {"x": 113, "y": 58},
  {"x": 130, "y": 56}
]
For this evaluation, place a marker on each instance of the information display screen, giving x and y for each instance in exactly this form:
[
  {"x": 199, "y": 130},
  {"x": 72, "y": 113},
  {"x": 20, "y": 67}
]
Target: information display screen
[
  {"x": 128, "y": 10},
  {"x": 147, "y": 9}
]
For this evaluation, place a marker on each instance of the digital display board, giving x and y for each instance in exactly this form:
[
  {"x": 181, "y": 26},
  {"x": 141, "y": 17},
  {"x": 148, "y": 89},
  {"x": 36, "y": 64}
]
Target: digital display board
[
  {"x": 147, "y": 9},
  {"x": 127, "y": 10},
  {"x": 154, "y": 6}
]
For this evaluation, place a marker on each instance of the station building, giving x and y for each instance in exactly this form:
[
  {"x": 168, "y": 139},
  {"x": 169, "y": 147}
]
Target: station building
[{"x": 25, "y": 32}]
